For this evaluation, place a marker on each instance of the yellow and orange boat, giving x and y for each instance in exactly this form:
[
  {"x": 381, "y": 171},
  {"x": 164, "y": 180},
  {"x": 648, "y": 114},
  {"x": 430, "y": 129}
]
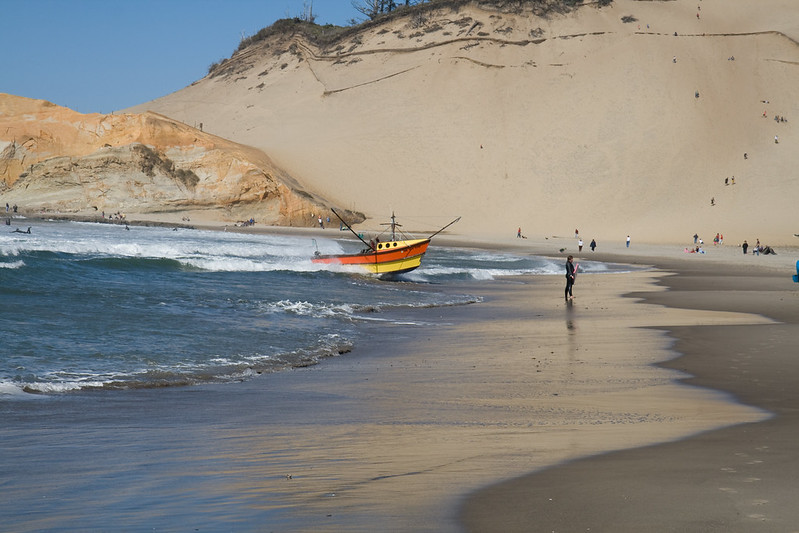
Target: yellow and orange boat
[{"x": 392, "y": 257}]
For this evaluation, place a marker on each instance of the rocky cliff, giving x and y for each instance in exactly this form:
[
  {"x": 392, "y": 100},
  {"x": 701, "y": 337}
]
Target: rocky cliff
[{"x": 55, "y": 160}]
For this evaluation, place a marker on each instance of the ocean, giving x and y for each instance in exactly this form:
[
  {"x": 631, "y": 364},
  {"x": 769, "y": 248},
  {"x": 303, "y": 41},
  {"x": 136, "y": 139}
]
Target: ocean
[
  {"x": 99, "y": 306},
  {"x": 130, "y": 394}
]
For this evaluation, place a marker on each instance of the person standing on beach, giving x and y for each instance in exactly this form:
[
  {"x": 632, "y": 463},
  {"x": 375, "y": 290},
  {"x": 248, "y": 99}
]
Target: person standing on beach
[
  {"x": 569, "y": 278},
  {"x": 519, "y": 233},
  {"x": 745, "y": 246},
  {"x": 593, "y": 244},
  {"x": 628, "y": 241},
  {"x": 580, "y": 245}
]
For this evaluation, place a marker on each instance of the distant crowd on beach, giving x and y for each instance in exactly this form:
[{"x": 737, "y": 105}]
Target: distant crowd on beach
[
  {"x": 113, "y": 217},
  {"x": 718, "y": 240}
]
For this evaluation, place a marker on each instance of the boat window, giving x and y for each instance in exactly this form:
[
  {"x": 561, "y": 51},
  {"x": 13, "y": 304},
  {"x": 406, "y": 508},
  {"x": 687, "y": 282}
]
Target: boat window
[
  {"x": 395, "y": 245},
  {"x": 379, "y": 246}
]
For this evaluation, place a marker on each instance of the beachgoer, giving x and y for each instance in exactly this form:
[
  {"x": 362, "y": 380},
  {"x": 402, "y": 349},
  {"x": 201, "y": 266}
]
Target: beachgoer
[
  {"x": 776, "y": 139},
  {"x": 746, "y": 156},
  {"x": 519, "y": 233},
  {"x": 580, "y": 245},
  {"x": 726, "y": 181},
  {"x": 576, "y": 234},
  {"x": 695, "y": 237},
  {"x": 569, "y": 278},
  {"x": 593, "y": 245},
  {"x": 628, "y": 241},
  {"x": 713, "y": 201},
  {"x": 674, "y": 59},
  {"x": 745, "y": 245},
  {"x": 732, "y": 180},
  {"x": 321, "y": 224}
]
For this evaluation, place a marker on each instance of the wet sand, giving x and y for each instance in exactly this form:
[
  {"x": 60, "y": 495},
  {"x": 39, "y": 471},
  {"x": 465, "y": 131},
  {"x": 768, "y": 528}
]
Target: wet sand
[
  {"x": 398, "y": 433},
  {"x": 740, "y": 478}
]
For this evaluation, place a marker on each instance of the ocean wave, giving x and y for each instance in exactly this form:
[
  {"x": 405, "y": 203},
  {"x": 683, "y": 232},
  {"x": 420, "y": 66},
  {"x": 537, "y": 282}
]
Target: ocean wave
[
  {"x": 12, "y": 264},
  {"x": 218, "y": 369},
  {"x": 352, "y": 311}
]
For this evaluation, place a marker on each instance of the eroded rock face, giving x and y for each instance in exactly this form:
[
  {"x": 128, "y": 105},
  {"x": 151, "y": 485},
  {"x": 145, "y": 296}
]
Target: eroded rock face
[{"x": 53, "y": 159}]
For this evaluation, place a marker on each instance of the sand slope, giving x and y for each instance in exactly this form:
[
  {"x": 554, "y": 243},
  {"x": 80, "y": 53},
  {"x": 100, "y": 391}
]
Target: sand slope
[{"x": 510, "y": 119}]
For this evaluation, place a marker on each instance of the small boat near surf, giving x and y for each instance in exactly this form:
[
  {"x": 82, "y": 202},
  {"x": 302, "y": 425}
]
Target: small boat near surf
[{"x": 387, "y": 258}]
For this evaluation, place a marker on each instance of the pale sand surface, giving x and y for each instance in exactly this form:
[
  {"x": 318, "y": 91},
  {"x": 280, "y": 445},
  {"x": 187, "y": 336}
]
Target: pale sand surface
[
  {"x": 531, "y": 383},
  {"x": 737, "y": 479}
]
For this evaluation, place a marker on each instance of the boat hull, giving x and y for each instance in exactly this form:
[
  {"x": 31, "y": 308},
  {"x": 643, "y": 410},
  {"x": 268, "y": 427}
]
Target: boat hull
[{"x": 392, "y": 257}]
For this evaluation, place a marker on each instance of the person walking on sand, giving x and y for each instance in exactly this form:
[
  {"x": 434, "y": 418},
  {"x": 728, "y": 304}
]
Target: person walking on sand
[
  {"x": 593, "y": 244},
  {"x": 745, "y": 246},
  {"x": 580, "y": 245},
  {"x": 628, "y": 241},
  {"x": 569, "y": 278},
  {"x": 519, "y": 233}
]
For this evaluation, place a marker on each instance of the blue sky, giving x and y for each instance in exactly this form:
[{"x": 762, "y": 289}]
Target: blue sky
[{"x": 106, "y": 55}]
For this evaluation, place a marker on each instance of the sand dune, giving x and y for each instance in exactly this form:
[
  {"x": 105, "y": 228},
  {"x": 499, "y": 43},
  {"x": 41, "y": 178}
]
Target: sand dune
[{"x": 573, "y": 120}]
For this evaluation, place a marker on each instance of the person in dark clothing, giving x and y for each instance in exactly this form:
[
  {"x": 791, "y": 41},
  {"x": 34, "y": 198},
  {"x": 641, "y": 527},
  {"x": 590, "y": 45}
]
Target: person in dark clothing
[
  {"x": 593, "y": 244},
  {"x": 745, "y": 245},
  {"x": 569, "y": 278}
]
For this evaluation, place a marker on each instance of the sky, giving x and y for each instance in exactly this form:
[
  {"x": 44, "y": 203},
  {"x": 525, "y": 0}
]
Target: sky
[{"x": 99, "y": 56}]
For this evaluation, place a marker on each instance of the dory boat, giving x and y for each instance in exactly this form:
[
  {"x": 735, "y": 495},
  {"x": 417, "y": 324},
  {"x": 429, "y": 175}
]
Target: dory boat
[{"x": 385, "y": 258}]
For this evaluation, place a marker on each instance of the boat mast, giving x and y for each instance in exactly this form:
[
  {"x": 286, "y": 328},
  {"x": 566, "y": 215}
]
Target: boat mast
[{"x": 393, "y": 225}]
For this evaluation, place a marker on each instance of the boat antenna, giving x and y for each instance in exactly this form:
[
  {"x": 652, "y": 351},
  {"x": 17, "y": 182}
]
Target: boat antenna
[
  {"x": 445, "y": 227},
  {"x": 371, "y": 247}
]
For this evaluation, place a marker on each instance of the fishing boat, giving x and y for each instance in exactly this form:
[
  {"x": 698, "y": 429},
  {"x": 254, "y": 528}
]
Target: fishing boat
[{"x": 384, "y": 258}]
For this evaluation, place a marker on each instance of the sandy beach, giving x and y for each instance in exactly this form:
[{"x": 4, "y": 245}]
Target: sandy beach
[
  {"x": 738, "y": 478},
  {"x": 422, "y": 427}
]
